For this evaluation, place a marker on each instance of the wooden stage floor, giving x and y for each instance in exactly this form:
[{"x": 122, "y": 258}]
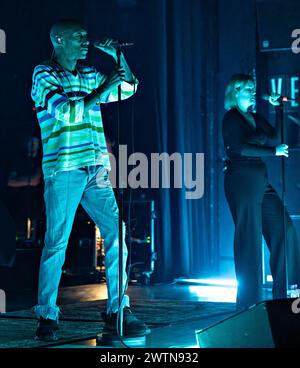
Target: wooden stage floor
[{"x": 172, "y": 312}]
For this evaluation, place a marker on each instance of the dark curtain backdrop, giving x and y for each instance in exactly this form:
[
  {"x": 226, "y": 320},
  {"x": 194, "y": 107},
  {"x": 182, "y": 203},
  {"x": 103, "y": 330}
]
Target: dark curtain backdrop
[
  {"x": 175, "y": 58},
  {"x": 185, "y": 63}
]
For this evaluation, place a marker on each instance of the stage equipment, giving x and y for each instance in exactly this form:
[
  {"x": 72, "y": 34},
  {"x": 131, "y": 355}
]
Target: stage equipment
[
  {"x": 140, "y": 238},
  {"x": 113, "y": 340},
  {"x": 269, "y": 324}
]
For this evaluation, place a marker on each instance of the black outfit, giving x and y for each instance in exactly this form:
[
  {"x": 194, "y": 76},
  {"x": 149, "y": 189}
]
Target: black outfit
[{"x": 256, "y": 209}]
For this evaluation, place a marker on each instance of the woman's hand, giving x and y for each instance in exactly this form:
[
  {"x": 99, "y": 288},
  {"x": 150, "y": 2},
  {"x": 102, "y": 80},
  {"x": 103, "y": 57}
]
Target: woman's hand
[
  {"x": 274, "y": 99},
  {"x": 282, "y": 150}
]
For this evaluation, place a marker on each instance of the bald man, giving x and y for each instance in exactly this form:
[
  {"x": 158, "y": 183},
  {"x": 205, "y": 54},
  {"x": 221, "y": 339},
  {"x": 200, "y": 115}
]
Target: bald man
[{"x": 67, "y": 97}]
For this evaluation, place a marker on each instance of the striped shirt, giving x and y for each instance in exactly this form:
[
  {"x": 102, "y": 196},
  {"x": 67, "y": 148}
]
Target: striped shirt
[{"x": 70, "y": 137}]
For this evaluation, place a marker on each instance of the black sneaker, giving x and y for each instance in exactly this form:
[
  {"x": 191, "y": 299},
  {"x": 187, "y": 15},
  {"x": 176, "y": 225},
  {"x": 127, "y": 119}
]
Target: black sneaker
[
  {"x": 46, "y": 329},
  {"x": 131, "y": 325}
]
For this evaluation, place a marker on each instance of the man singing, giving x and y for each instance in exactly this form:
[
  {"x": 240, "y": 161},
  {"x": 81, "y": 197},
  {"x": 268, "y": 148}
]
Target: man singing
[{"x": 67, "y": 96}]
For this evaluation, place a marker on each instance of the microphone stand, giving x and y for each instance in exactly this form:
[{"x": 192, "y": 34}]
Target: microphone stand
[
  {"x": 111, "y": 339},
  {"x": 280, "y": 116},
  {"x": 120, "y": 202}
]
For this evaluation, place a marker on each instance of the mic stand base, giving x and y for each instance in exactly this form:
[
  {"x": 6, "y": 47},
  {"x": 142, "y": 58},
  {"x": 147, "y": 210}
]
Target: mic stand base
[{"x": 113, "y": 340}]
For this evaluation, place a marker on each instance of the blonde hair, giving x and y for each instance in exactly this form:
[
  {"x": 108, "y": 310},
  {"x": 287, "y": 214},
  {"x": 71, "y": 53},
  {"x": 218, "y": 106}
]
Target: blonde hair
[{"x": 236, "y": 81}]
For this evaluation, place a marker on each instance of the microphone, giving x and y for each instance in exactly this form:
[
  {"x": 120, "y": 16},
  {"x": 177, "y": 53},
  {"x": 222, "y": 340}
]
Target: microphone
[
  {"x": 114, "y": 44},
  {"x": 266, "y": 97}
]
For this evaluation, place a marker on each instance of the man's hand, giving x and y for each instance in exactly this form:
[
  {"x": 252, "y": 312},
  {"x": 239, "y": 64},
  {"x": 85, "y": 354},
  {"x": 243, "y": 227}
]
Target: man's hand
[
  {"x": 113, "y": 80},
  {"x": 106, "y": 46}
]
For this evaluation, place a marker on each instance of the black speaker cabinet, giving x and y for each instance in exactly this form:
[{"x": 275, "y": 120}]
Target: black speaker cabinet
[
  {"x": 140, "y": 223},
  {"x": 269, "y": 324}
]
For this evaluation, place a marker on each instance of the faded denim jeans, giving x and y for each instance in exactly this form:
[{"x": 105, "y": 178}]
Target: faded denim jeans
[{"x": 89, "y": 186}]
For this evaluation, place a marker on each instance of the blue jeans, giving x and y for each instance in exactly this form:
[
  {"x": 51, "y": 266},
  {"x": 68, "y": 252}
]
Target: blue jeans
[{"x": 64, "y": 191}]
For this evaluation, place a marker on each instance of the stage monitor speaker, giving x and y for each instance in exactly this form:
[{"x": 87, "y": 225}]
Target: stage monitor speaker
[
  {"x": 276, "y": 21},
  {"x": 269, "y": 324}
]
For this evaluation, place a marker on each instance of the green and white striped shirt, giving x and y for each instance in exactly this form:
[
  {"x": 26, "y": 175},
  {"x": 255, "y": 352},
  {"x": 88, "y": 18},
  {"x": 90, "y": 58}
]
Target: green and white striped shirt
[{"x": 70, "y": 138}]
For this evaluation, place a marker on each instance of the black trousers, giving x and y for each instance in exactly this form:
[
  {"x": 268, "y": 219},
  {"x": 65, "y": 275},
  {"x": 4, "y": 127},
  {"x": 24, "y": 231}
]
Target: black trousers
[{"x": 257, "y": 210}]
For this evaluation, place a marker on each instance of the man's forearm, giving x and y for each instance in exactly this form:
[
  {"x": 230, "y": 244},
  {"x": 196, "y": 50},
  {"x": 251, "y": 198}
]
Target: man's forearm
[
  {"x": 94, "y": 97},
  {"x": 128, "y": 73}
]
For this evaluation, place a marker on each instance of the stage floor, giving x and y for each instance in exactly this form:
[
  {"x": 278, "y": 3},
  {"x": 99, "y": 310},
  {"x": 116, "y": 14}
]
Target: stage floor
[{"x": 173, "y": 312}]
